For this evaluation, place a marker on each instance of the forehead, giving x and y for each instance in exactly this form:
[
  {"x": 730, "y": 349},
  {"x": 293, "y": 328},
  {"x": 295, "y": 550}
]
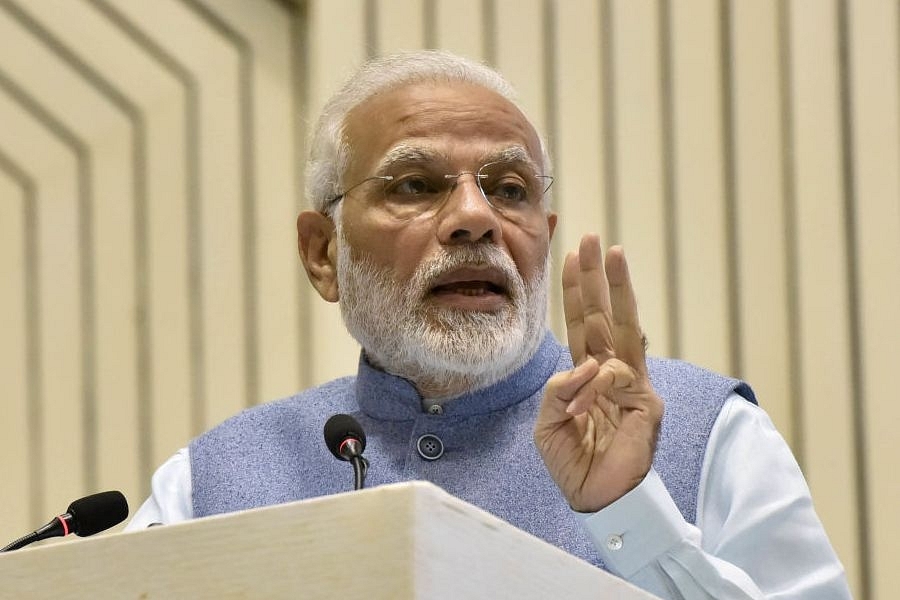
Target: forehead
[{"x": 460, "y": 120}]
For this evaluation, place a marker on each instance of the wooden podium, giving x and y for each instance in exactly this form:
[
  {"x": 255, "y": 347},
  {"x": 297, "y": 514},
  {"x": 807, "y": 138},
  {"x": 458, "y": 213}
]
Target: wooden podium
[{"x": 407, "y": 540}]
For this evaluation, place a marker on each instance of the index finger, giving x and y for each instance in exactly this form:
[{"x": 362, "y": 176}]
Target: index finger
[{"x": 572, "y": 308}]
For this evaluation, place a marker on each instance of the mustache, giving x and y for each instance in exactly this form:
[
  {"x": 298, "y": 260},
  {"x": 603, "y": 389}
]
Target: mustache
[{"x": 469, "y": 255}]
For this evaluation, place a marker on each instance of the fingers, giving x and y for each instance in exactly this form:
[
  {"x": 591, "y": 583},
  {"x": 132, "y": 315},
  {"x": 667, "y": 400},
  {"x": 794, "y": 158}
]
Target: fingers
[
  {"x": 562, "y": 388},
  {"x": 629, "y": 338},
  {"x": 612, "y": 376},
  {"x": 595, "y": 299},
  {"x": 572, "y": 308},
  {"x": 600, "y": 306},
  {"x": 574, "y": 392}
]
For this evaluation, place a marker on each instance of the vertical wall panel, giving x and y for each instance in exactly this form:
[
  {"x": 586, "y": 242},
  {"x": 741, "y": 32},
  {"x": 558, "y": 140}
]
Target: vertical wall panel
[
  {"x": 759, "y": 215},
  {"x": 267, "y": 30},
  {"x": 59, "y": 469},
  {"x": 520, "y": 45},
  {"x": 337, "y": 47},
  {"x": 22, "y": 457},
  {"x": 401, "y": 25},
  {"x": 167, "y": 216},
  {"x": 459, "y": 27},
  {"x": 578, "y": 152},
  {"x": 114, "y": 277},
  {"x": 875, "y": 101},
  {"x": 700, "y": 192},
  {"x": 639, "y": 196},
  {"x": 244, "y": 155},
  {"x": 14, "y": 430},
  {"x": 823, "y": 297},
  {"x": 215, "y": 64}
]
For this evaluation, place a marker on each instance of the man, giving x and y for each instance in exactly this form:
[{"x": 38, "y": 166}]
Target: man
[{"x": 432, "y": 229}]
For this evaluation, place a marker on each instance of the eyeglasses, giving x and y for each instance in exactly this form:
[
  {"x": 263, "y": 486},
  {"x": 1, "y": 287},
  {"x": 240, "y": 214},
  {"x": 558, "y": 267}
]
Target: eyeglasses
[{"x": 510, "y": 187}]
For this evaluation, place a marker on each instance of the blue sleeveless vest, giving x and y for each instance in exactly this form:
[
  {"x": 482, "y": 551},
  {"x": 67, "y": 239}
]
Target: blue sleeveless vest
[{"x": 275, "y": 452}]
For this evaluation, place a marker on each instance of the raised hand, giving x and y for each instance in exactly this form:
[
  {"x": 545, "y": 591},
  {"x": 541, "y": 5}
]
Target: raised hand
[{"x": 598, "y": 423}]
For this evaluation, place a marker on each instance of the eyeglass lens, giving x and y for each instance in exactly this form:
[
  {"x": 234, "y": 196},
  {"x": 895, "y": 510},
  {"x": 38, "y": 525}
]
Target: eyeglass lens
[{"x": 510, "y": 187}]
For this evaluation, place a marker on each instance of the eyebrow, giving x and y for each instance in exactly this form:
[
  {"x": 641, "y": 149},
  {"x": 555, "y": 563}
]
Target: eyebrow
[
  {"x": 407, "y": 153},
  {"x": 513, "y": 154}
]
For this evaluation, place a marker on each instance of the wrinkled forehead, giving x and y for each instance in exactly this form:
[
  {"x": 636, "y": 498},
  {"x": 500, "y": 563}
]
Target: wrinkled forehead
[{"x": 462, "y": 123}]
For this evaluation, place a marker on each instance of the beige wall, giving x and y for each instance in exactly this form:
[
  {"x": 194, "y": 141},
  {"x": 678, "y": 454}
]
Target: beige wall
[{"x": 747, "y": 153}]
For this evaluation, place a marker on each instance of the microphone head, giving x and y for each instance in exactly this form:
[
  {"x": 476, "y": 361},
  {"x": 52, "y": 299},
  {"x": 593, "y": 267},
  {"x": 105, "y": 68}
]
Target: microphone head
[
  {"x": 97, "y": 512},
  {"x": 340, "y": 428}
]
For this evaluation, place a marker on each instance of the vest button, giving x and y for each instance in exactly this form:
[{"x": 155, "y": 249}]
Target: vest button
[{"x": 430, "y": 447}]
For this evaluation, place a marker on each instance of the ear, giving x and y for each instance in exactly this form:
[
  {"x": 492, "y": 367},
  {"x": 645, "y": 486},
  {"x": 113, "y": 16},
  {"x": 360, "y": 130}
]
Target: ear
[
  {"x": 317, "y": 244},
  {"x": 551, "y": 224}
]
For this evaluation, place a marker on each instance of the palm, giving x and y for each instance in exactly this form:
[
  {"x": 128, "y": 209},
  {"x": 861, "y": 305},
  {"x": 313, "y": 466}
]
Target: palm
[{"x": 597, "y": 427}]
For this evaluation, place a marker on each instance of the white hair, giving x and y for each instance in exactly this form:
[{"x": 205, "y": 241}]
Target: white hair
[{"x": 329, "y": 153}]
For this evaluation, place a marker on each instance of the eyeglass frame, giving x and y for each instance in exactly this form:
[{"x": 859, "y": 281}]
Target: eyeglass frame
[{"x": 476, "y": 175}]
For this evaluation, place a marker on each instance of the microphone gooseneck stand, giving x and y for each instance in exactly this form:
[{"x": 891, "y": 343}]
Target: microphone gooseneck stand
[
  {"x": 86, "y": 516},
  {"x": 55, "y": 528},
  {"x": 360, "y": 466}
]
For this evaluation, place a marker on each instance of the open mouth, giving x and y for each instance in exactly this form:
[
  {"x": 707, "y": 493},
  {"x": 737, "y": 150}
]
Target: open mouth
[
  {"x": 475, "y": 283},
  {"x": 468, "y": 288}
]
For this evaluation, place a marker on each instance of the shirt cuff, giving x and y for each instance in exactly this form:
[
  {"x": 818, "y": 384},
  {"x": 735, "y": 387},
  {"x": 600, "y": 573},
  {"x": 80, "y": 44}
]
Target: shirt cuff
[{"x": 637, "y": 528}]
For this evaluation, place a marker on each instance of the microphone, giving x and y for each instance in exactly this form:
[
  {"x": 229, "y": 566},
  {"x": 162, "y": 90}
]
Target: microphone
[
  {"x": 345, "y": 438},
  {"x": 86, "y": 516}
]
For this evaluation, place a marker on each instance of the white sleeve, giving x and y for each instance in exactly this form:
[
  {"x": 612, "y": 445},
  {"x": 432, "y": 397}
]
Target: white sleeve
[
  {"x": 757, "y": 534},
  {"x": 170, "y": 494}
]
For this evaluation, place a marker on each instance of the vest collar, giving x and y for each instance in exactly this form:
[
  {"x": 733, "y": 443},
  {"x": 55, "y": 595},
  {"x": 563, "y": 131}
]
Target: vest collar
[{"x": 391, "y": 398}]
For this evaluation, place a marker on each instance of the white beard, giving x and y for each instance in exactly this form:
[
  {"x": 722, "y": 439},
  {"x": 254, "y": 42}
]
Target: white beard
[{"x": 445, "y": 350}]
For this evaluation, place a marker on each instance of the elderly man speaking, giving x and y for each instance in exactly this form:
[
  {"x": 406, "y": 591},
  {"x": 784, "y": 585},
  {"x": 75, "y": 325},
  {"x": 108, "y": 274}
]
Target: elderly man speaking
[{"x": 431, "y": 227}]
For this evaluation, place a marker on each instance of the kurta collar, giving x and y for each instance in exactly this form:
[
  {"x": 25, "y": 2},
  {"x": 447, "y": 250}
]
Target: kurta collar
[{"x": 384, "y": 396}]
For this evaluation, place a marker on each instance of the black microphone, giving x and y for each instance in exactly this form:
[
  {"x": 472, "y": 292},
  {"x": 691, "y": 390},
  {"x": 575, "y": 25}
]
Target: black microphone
[
  {"x": 86, "y": 516},
  {"x": 346, "y": 440}
]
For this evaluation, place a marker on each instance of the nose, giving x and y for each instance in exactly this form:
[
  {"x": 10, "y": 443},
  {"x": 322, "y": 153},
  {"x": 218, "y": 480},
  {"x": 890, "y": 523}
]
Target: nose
[{"x": 466, "y": 216}]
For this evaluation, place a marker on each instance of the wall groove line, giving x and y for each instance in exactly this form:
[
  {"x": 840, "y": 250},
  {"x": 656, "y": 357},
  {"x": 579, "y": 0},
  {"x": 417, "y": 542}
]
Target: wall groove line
[
  {"x": 489, "y": 18},
  {"x": 550, "y": 68},
  {"x": 31, "y": 291},
  {"x": 429, "y": 19},
  {"x": 854, "y": 305},
  {"x": 370, "y": 17},
  {"x": 608, "y": 121},
  {"x": 300, "y": 77},
  {"x": 669, "y": 174},
  {"x": 732, "y": 247},
  {"x": 792, "y": 258}
]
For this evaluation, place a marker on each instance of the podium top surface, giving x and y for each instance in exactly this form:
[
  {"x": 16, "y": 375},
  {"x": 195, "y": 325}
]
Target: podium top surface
[{"x": 404, "y": 540}]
